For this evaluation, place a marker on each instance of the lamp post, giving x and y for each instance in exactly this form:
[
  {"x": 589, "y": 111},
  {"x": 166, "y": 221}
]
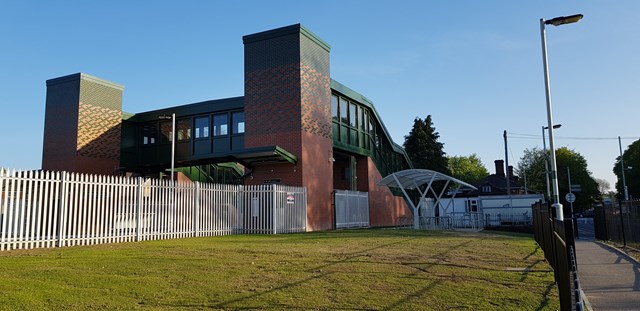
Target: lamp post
[
  {"x": 173, "y": 140},
  {"x": 554, "y": 170},
  {"x": 622, "y": 169},
  {"x": 546, "y": 158}
]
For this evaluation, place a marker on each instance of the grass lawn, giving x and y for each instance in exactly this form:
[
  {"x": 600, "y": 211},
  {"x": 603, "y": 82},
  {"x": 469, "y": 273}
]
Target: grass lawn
[{"x": 338, "y": 270}]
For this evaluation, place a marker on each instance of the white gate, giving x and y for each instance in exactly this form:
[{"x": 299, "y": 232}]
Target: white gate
[{"x": 351, "y": 208}]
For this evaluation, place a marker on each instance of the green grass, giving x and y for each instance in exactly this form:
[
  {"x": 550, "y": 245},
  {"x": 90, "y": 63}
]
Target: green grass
[{"x": 346, "y": 270}]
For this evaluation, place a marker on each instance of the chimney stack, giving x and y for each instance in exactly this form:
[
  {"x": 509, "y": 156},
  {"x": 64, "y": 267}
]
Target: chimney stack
[
  {"x": 510, "y": 172},
  {"x": 499, "y": 167}
]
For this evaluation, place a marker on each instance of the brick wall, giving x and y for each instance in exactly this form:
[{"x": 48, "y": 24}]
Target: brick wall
[
  {"x": 83, "y": 119},
  {"x": 287, "y": 104},
  {"x": 385, "y": 209}
]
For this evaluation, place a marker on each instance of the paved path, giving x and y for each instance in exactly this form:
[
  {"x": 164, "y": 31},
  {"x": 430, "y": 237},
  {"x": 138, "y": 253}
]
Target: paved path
[{"x": 609, "y": 278}]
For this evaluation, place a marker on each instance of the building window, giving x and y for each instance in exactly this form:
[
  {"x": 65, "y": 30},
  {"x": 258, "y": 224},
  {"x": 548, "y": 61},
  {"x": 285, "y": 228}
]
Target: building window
[
  {"x": 486, "y": 189},
  {"x": 149, "y": 134},
  {"x": 183, "y": 129},
  {"x": 344, "y": 118},
  {"x": 202, "y": 127},
  {"x": 334, "y": 108},
  {"x": 353, "y": 116},
  {"x": 363, "y": 120},
  {"x": 165, "y": 132},
  {"x": 472, "y": 206},
  {"x": 220, "y": 124},
  {"x": 238, "y": 122}
]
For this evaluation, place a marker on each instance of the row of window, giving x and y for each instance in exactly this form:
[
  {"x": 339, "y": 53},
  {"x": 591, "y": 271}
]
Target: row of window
[
  {"x": 204, "y": 127},
  {"x": 361, "y": 132},
  {"x": 350, "y": 114}
]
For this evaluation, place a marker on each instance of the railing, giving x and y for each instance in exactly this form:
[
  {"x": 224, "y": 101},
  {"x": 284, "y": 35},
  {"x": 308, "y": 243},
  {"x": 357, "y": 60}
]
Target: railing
[
  {"x": 54, "y": 209},
  {"x": 470, "y": 220},
  {"x": 618, "y": 222},
  {"x": 436, "y": 223},
  {"x": 556, "y": 238},
  {"x": 499, "y": 220}
]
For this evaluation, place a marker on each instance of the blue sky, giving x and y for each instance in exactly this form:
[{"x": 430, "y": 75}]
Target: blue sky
[{"x": 475, "y": 66}]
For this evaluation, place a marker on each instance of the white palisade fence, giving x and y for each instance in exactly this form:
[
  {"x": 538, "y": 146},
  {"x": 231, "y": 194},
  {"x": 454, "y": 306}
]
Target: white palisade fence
[{"x": 55, "y": 209}]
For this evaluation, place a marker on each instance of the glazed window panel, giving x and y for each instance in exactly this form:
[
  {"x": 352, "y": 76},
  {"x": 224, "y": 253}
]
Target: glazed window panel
[
  {"x": 344, "y": 118},
  {"x": 238, "y": 122},
  {"x": 220, "y": 124},
  {"x": 334, "y": 108},
  {"x": 353, "y": 115},
  {"x": 202, "y": 127},
  {"x": 183, "y": 129},
  {"x": 363, "y": 120},
  {"x": 165, "y": 132},
  {"x": 149, "y": 133}
]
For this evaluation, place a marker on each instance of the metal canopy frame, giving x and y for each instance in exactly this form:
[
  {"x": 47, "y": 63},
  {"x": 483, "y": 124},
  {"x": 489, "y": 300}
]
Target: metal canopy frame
[{"x": 413, "y": 179}]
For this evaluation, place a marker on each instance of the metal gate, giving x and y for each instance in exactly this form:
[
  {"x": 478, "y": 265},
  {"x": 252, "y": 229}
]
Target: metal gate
[{"x": 351, "y": 208}]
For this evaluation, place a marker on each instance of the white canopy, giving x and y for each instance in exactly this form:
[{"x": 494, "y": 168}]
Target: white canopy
[{"x": 413, "y": 179}]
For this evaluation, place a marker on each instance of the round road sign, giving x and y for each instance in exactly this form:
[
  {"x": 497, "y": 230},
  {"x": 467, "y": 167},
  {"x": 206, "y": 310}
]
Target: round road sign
[{"x": 570, "y": 197}]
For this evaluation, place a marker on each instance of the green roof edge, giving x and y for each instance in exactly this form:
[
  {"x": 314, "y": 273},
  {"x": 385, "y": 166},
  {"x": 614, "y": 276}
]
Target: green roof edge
[
  {"x": 84, "y": 76},
  {"x": 345, "y": 90},
  {"x": 287, "y": 30}
]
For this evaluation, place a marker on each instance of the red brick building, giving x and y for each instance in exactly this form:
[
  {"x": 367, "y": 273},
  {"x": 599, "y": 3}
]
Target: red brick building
[{"x": 294, "y": 126}]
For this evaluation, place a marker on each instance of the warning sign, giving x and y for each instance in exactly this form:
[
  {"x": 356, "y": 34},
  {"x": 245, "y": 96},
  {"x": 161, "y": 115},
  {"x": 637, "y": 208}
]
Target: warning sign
[{"x": 290, "y": 198}]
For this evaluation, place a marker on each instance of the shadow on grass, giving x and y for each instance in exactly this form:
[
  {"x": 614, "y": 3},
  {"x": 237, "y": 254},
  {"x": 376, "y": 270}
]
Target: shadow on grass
[
  {"x": 318, "y": 274},
  {"x": 228, "y": 303},
  {"x": 545, "y": 302},
  {"x": 428, "y": 288}
]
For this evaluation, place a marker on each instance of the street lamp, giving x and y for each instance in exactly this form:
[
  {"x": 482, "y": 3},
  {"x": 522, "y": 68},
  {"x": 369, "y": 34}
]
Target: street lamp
[
  {"x": 622, "y": 169},
  {"x": 546, "y": 158},
  {"x": 173, "y": 140},
  {"x": 554, "y": 170}
]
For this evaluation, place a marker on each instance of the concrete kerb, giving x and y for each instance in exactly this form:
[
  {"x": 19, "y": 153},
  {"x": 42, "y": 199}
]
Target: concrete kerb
[
  {"x": 585, "y": 300},
  {"x": 624, "y": 254}
]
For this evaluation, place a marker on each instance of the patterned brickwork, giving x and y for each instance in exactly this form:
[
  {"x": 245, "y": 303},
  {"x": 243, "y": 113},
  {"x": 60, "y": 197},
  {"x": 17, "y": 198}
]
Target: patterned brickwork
[
  {"x": 316, "y": 110},
  {"x": 99, "y": 132},
  {"x": 316, "y": 88},
  {"x": 99, "y": 121}
]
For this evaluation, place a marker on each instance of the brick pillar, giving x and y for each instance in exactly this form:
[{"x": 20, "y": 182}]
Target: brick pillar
[
  {"x": 288, "y": 104},
  {"x": 83, "y": 119}
]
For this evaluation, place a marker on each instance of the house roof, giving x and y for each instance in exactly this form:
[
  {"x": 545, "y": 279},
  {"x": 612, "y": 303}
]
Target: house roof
[{"x": 500, "y": 181}]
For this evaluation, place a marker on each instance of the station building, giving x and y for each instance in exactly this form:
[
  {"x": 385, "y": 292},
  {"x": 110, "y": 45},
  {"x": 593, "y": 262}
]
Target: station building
[{"x": 294, "y": 126}]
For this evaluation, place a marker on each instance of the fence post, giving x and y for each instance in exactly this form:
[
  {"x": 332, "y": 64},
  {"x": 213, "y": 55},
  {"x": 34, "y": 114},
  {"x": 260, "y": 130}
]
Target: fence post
[
  {"x": 139, "y": 210},
  {"x": 304, "y": 191},
  {"x": 274, "y": 208},
  {"x": 624, "y": 240},
  {"x": 196, "y": 210},
  {"x": 62, "y": 206}
]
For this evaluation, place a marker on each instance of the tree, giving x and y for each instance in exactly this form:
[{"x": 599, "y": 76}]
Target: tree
[
  {"x": 468, "y": 169},
  {"x": 631, "y": 158},
  {"x": 532, "y": 164},
  {"x": 424, "y": 149},
  {"x": 603, "y": 185}
]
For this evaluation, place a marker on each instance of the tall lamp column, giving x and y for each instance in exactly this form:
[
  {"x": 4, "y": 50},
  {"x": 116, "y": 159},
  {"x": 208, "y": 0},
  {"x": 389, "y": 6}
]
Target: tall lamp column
[{"x": 554, "y": 169}]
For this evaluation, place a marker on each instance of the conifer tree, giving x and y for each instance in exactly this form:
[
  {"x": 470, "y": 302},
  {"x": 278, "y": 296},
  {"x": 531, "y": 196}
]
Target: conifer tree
[{"x": 423, "y": 147}]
